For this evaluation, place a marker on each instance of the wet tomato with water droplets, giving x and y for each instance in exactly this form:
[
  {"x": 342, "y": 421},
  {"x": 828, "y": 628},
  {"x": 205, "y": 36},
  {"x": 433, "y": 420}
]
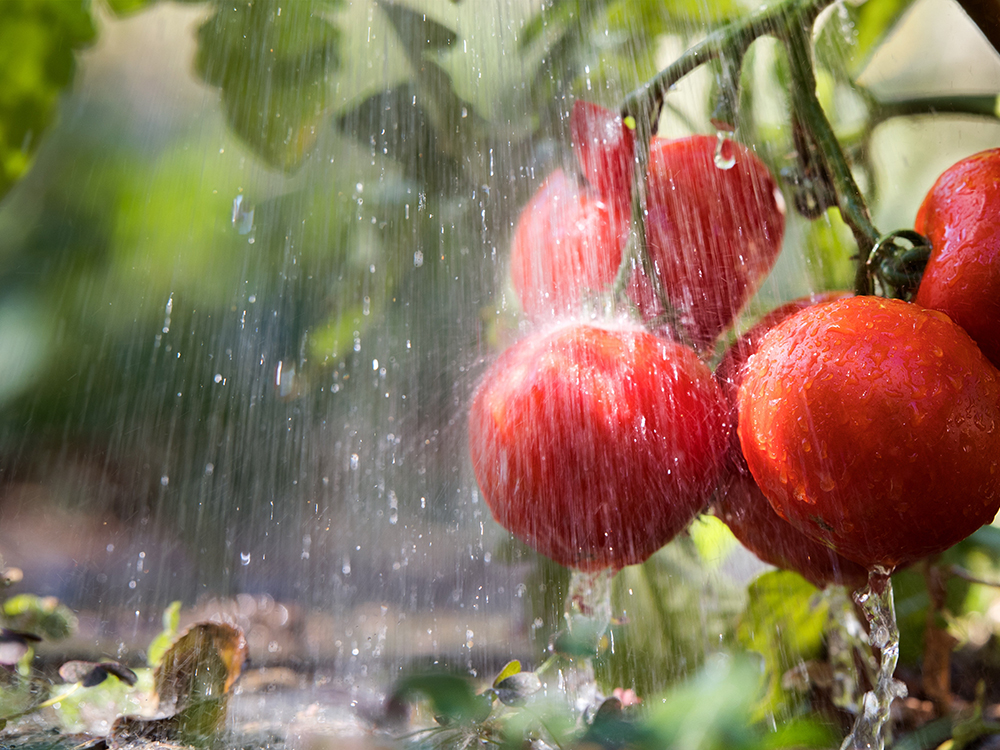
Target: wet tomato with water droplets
[
  {"x": 597, "y": 444},
  {"x": 873, "y": 425},
  {"x": 961, "y": 218},
  {"x": 605, "y": 151},
  {"x": 713, "y": 233},
  {"x": 568, "y": 244},
  {"x": 741, "y": 505}
]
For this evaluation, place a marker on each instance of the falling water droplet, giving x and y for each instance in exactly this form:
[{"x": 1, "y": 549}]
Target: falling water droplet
[
  {"x": 725, "y": 156},
  {"x": 242, "y": 216}
]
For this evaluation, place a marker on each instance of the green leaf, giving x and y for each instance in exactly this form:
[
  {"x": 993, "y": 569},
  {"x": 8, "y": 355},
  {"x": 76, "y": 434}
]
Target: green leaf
[
  {"x": 418, "y": 31},
  {"x": 452, "y": 698},
  {"x": 161, "y": 643},
  {"x": 515, "y": 689},
  {"x": 784, "y": 622},
  {"x": 272, "y": 60},
  {"x": 43, "y": 616},
  {"x": 852, "y": 34},
  {"x": 510, "y": 669},
  {"x": 38, "y": 41},
  {"x": 127, "y": 7}
]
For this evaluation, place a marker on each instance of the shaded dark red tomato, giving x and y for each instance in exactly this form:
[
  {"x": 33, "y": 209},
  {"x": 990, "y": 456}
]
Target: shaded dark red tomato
[
  {"x": 961, "y": 218},
  {"x": 740, "y": 503},
  {"x": 873, "y": 425},
  {"x": 567, "y": 244},
  {"x": 605, "y": 150},
  {"x": 743, "y": 508},
  {"x": 596, "y": 445},
  {"x": 714, "y": 234}
]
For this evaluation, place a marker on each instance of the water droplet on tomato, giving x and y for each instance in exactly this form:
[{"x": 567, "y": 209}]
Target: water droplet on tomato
[{"x": 725, "y": 157}]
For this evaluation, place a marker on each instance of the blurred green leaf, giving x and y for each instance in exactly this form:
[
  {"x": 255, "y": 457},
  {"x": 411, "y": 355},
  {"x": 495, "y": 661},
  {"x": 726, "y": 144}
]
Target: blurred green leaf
[
  {"x": 125, "y": 7},
  {"x": 784, "y": 622},
  {"x": 852, "y": 34},
  {"x": 417, "y": 30},
  {"x": 161, "y": 643},
  {"x": 38, "y": 42},
  {"x": 272, "y": 61},
  {"x": 829, "y": 247},
  {"x": 714, "y": 711},
  {"x": 44, "y": 616},
  {"x": 510, "y": 669},
  {"x": 452, "y": 698}
]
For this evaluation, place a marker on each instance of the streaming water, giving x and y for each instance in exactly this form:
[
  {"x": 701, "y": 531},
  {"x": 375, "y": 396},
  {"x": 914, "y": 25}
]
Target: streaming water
[{"x": 876, "y": 600}]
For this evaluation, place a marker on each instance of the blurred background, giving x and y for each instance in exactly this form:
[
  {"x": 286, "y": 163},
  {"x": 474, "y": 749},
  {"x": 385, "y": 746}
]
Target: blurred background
[{"x": 253, "y": 259}]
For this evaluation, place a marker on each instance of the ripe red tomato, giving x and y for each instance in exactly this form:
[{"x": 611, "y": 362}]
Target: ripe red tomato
[
  {"x": 730, "y": 370},
  {"x": 873, "y": 425},
  {"x": 568, "y": 242},
  {"x": 605, "y": 149},
  {"x": 961, "y": 218},
  {"x": 743, "y": 508},
  {"x": 714, "y": 234},
  {"x": 740, "y": 503},
  {"x": 597, "y": 444}
]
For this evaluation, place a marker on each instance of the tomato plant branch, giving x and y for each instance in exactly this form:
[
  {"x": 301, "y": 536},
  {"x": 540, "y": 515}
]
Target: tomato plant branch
[
  {"x": 807, "y": 108},
  {"x": 987, "y": 105},
  {"x": 792, "y": 22}
]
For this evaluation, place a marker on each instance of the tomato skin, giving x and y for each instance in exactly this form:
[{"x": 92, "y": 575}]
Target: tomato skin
[
  {"x": 739, "y": 502},
  {"x": 731, "y": 368},
  {"x": 714, "y": 233},
  {"x": 597, "y": 444},
  {"x": 743, "y": 508},
  {"x": 567, "y": 241},
  {"x": 873, "y": 425},
  {"x": 961, "y": 218},
  {"x": 605, "y": 150}
]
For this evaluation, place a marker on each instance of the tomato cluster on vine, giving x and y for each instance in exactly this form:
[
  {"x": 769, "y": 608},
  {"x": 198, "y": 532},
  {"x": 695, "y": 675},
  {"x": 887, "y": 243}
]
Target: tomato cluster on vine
[{"x": 840, "y": 435}]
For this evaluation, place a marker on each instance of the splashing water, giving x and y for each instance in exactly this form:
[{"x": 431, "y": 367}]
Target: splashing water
[
  {"x": 877, "y": 602},
  {"x": 725, "y": 157},
  {"x": 845, "y": 638},
  {"x": 588, "y": 618}
]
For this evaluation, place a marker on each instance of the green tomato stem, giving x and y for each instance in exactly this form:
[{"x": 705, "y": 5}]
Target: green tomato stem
[
  {"x": 791, "y": 21},
  {"x": 817, "y": 127}
]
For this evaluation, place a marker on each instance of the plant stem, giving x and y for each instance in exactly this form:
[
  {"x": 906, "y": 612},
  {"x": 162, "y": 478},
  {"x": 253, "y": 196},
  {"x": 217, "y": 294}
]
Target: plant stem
[
  {"x": 987, "y": 105},
  {"x": 986, "y": 15},
  {"x": 645, "y": 101},
  {"x": 792, "y": 22},
  {"x": 817, "y": 126}
]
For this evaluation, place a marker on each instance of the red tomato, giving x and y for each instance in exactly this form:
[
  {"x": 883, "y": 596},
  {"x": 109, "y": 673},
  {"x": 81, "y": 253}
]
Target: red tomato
[
  {"x": 605, "y": 149},
  {"x": 568, "y": 243},
  {"x": 730, "y": 371},
  {"x": 596, "y": 445},
  {"x": 740, "y": 503},
  {"x": 714, "y": 234},
  {"x": 743, "y": 508},
  {"x": 873, "y": 425},
  {"x": 961, "y": 218}
]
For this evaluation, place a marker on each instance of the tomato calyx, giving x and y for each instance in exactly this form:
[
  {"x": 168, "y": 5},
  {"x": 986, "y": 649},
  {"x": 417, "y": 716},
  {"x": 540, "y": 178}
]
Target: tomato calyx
[{"x": 897, "y": 264}]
